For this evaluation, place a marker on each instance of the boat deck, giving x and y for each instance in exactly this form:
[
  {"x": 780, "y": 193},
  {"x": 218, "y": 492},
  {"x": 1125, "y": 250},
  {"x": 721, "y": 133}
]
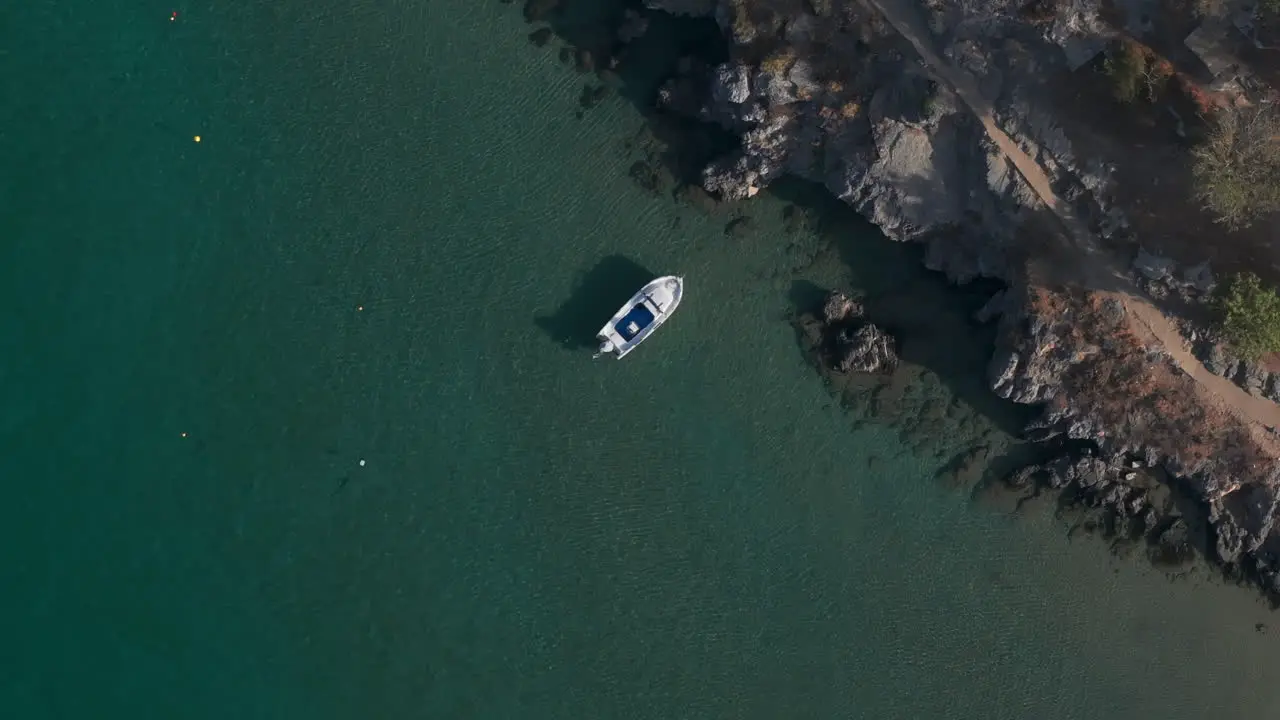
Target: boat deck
[{"x": 633, "y": 322}]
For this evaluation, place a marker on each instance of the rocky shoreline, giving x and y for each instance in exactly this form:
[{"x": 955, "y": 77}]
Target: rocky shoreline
[
  {"x": 1091, "y": 460},
  {"x": 827, "y": 91}
]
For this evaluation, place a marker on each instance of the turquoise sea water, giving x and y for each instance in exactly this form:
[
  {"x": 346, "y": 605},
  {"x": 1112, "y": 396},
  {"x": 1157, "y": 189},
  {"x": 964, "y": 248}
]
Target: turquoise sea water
[{"x": 392, "y": 224}]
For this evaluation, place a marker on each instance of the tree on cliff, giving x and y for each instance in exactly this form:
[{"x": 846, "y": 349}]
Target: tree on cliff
[
  {"x": 1124, "y": 65},
  {"x": 1250, "y": 316},
  {"x": 1237, "y": 169},
  {"x": 1136, "y": 71}
]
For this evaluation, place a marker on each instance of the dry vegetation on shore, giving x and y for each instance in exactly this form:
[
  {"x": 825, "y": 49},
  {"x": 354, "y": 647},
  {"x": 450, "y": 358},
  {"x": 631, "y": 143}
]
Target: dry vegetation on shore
[{"x": 1120, "y": 383}]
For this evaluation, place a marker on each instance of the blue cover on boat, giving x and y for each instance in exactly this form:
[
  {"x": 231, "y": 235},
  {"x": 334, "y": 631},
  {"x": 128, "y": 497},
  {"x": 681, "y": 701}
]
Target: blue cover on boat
[{"x": 633, "y": 322}]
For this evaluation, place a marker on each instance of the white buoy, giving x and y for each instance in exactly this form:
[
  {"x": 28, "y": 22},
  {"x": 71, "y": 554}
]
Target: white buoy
[{"x": 362, "y": 463}]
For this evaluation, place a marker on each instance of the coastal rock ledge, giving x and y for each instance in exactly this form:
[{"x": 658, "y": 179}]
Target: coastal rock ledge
[
  {"x": 1138, "y": 441},
  {"x": 828, "y": 91}
]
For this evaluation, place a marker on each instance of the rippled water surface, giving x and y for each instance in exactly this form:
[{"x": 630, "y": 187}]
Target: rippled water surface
[{"x": 297, "y": 420}]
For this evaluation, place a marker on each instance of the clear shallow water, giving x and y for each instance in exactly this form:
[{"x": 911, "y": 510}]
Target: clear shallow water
[{"x": 699, "y": 531}]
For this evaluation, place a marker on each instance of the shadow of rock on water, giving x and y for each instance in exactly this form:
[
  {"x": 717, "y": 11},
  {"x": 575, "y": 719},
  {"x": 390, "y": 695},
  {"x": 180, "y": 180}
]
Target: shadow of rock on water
[
  {"x": 597, "y": 293},
  {"x": 805, "y": 295},
  {"x": 933, "y": 324},
  {"x": 938, "y": 341},
  {"x": 621, "y": 47},
  {"x": 637, "y": 59}
]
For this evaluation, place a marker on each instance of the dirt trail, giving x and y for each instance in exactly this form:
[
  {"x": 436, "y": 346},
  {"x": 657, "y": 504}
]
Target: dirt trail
[{"x": 1099, "y": 269}]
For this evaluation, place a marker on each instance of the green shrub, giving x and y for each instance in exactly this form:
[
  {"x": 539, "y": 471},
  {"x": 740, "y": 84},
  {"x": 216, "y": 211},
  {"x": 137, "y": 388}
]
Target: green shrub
[
  {"x": 1125, "y": 66},
  {"x": 1250, "y": 316},
  {"x": 1237, "y": 169}
]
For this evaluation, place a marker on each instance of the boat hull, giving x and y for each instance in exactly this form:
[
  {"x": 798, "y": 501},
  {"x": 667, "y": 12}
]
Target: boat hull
[{"x": 643, "y": 314}]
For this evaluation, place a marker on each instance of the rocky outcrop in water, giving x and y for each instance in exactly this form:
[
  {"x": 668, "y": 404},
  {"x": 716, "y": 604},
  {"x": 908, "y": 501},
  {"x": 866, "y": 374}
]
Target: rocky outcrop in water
[
  {"x": 845, "y": 341},
  {"x": 1119, "y": 498},
  {"x": 867, "y": 349},
  {"x": 1134, "y": 434}
]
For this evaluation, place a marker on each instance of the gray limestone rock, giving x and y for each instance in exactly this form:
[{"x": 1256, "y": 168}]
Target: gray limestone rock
[
  {"x": 738, "y": 177},
  {"x": 731, "y": 83},
  {"x": 1216, "y": 359},
  {"x": 777, "y": 90},
  {"x": 1115, "y": 312},
  {"x": 1231, "y": 539},
  {"x": 1089, "y": 472},
  {"x": 802, "y": 76},
  {"x": 868, "y": 349},
  {"x": 907, "y": 100},
  {"x": 1200, "y": 277},
  {"x": 1252, "y": 377},
  {"x": 1272, "y": 389},
  {"x": 1153, "y": 267},
  {"x": 1002, "y": 371},
  {"x": 1027, "y": 366},
  {"x": 965, "y": 256},
  {"x": 840, "y": 308},
  {"x": 1078, "y": 28}
]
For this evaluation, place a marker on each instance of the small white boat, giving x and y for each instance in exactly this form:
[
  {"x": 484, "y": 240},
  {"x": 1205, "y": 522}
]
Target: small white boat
[{"x": 643, "y": 313}]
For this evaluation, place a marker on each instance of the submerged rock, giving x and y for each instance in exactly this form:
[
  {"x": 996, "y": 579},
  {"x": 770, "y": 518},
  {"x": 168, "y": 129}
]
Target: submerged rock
[
  {"x": 738, "y": 227},
  {"x": 1172, "y": 547},
  {"x": 540, "y": 37},
  {"x": 535, "y": 10},
  {"x": 852, "y": 343}
]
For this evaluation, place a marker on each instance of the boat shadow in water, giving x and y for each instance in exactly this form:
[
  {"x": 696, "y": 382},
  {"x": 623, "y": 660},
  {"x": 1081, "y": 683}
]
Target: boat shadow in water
[{"x": 597, "y": 294}]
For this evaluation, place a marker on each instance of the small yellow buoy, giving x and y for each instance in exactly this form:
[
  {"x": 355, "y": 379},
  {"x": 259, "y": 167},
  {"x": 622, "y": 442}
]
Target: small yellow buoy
[{"x": 197, "y": 138}]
